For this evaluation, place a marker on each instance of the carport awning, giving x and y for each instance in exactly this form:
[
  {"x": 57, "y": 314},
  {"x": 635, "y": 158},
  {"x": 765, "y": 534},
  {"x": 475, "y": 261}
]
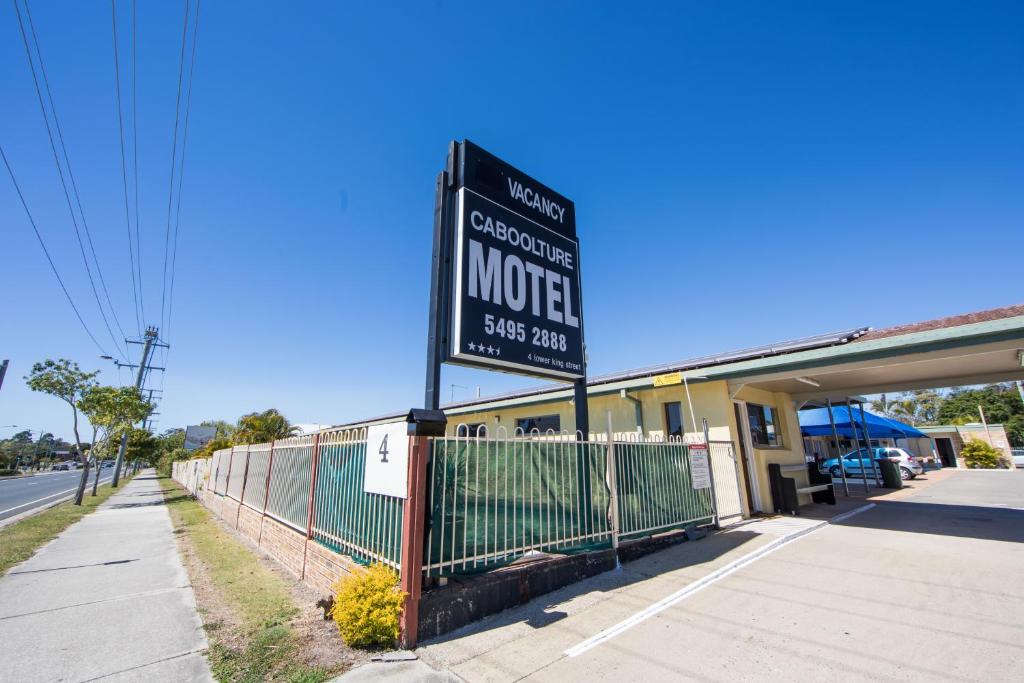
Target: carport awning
[{"x": 815, "y": 422}]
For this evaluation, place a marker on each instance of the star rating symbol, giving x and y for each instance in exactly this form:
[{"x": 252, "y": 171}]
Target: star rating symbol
[
  {"x": 490, "y": 350},
  {"x": 472, "y": 346}
]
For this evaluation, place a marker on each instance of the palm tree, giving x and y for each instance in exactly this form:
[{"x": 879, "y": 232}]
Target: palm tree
[{"x": 263, "y": 427}]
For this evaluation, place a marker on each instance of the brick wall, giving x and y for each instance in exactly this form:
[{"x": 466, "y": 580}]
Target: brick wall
[
  {"x": 249, "y": 522},
  {"x": 229, "y": 511},
  {"x": 284, "y": 544},
  {"x": 316, "y": 565},
  {"x": 324, "y": 567}
]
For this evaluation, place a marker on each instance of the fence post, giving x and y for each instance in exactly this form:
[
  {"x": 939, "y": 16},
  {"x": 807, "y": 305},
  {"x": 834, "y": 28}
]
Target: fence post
[
  {"x": 227, "y": 479},
  {"x": 270, "y": 467},
  {"x": 310, "y": 509},
  {"x": 241, "y": 495},
  {"x": 423, "y": 424},
  {"x": 412, "y": 538},
  {"x": 711, "y": 475},
  {"x": 613, "y": 486}
]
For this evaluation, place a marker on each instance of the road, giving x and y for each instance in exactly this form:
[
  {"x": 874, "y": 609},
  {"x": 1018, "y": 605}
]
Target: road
[
  {"x": 925, "y": 585},
  {"x": 18, "y": 495}
]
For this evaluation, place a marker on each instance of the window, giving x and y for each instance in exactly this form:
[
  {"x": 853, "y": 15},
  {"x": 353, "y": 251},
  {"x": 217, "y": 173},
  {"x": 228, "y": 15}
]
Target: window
[
  {"x": 673, "y": 420},
  {"x": 472, "y": 429},
  {"x": 541, "y": 423},
  {"x": 765, "y": 428}
]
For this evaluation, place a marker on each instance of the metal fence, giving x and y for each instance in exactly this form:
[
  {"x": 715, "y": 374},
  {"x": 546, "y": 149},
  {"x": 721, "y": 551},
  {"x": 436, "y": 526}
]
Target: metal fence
[
  {"x": 654, "y": 488},
  {"x": 291, "y": 477},
  {"x": 221, "y": 467},
  {"x": 367, "y": 526},
  {"x": 191, "y": 474},
  {"x": 492, "y": 500},
  {"x": 727, "y": 479},
  {"x": 489, "y": 500},
  {"x": 254, "y": 489},
  {"x": 236, "y": 475}
]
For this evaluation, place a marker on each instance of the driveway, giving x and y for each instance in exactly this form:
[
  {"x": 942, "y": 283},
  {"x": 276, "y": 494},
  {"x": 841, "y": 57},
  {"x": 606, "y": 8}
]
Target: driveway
[{"x": 926, "y": 586}]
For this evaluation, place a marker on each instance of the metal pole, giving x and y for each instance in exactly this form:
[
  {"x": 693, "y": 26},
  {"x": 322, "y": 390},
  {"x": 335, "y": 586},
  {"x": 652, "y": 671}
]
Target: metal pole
[
  {"x": 984, "y": 423},
  {"x": 3, "y": 372},
  {"x": 689, "y": 400},
  {"x": 437, "y": 331},
  {"x": 613, "y": 486},
  {"x": 867, "y": 440},
  {"x": 146, "y": 348},
  {"x": 839, "y": 451},
  {"x": 856, "y": 441},
  {"x": 711, "y": 474},
  {"x": 582, "y": 410}
]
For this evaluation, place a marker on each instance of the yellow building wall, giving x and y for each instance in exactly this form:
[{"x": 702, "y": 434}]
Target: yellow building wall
[
  {"x": 710, "y": 401},
  {"x": 792, "y": 450}
]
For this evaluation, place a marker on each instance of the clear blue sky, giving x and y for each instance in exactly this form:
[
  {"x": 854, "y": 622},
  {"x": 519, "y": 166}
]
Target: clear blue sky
[{"x": 743, "y": 173}]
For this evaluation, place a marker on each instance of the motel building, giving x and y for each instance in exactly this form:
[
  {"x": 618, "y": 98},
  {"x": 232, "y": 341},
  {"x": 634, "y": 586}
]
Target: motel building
[{"x": 751, "y": 398}]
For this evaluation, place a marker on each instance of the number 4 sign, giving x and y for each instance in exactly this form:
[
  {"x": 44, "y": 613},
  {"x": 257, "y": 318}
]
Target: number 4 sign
[{"x": 387, "y": 460}]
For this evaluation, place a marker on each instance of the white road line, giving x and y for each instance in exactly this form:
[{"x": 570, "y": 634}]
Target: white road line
[
  {"x": 700, "y": 584},
  {"x": 52, "y": 495}
]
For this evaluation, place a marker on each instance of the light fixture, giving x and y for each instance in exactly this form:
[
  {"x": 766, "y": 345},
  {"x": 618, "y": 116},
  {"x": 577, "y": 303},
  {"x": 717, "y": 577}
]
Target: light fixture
[{"x": 808, "y": 380}]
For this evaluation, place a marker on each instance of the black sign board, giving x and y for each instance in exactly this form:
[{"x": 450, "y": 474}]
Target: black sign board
[
  {"x": 511, "y": 286},
  {"x": 489, "y": 176}
]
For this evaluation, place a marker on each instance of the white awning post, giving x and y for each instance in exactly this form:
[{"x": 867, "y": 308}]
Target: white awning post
[
  {"x": 867, "y": 437},
  {"x": 839, "y": 451},
  {"x": 856, "y": 441}
]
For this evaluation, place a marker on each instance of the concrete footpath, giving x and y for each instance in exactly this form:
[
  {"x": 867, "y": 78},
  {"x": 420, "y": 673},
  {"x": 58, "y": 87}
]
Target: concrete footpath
[{"x": 106, "y": 600}]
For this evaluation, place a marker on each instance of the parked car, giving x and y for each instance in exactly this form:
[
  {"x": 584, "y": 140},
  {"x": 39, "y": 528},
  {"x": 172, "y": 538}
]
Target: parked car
[
  {"x": 63, "y": 467},
  {"x": 1018, "y": 457},
  {"x": 858, "y": 461}
]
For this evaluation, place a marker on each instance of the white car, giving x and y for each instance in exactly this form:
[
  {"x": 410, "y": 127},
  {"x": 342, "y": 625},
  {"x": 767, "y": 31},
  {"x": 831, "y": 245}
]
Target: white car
[{"x": 909, "y": 465}]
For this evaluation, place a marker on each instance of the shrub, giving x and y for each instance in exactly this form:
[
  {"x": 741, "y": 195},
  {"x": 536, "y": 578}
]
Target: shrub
[
  {"x": 367, "y": 606},
  {"x": 979, "y": 455}
]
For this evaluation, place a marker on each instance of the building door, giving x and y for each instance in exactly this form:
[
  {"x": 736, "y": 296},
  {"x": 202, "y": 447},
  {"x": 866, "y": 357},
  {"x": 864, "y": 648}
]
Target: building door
[
  {"x": 946, "y": 452},
  {"x": 741, "y": 437}
]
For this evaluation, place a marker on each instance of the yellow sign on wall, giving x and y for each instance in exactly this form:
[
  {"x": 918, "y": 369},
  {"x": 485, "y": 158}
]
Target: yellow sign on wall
[{"x": 668, "y": 380}]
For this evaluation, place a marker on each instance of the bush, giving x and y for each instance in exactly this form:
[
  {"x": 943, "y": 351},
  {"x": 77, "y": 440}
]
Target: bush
[
  {"x": 367, "y": 606},
  {"x": 979, "y": 455},
  {"x": 8, "y": 473}
]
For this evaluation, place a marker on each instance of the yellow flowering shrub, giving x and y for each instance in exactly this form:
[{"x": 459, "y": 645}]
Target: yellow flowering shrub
[{"x": 367, "y": 606}]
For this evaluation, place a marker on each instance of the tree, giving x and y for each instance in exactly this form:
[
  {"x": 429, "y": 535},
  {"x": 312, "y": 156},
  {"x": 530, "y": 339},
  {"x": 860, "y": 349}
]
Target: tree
[
  {"x": 225, "y": 430},
  {"x": 64, "y": 380},
  {"x": 915, "y": 408},
  {"x": 263, "y": 427},
  {"x": 978, "y": 454},
  {"x": 111, "y": 410},
  {"x": 1001, "y": 403}
]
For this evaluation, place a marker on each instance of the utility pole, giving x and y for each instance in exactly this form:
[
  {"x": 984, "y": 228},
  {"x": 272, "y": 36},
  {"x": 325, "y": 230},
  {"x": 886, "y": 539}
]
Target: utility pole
[
  {"x": 3, "y": 371},
  {"x": 149, "y": 341}
]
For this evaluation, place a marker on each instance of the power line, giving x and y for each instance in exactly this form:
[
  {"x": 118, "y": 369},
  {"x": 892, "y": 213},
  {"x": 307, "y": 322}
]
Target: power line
[
  {"x": 174, "y": 156},
  {"x": 181, "y": 171},
  {"x": 124, "y": 170},
  {"x": 135, "y": 162},
  {"x": 46, "y": 251},
  {"x": 60, "y": 172}
]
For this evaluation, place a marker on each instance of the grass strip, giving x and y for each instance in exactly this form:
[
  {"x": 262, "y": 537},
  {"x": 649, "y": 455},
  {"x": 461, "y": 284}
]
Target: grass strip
[
  {"x": 263, "y": 646},
  {"x": 21, "y": 540}
]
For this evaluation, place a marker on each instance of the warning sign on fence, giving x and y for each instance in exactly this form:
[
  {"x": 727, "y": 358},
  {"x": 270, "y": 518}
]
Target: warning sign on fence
[{"x": 700, "y": 466}]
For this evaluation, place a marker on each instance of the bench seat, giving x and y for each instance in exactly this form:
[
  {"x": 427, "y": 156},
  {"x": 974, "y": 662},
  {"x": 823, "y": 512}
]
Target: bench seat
[{"x": 785, "y": 490}]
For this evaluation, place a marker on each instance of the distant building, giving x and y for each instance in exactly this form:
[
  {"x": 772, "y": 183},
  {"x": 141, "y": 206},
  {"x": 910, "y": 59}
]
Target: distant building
[{"x": 949, "y": 440}]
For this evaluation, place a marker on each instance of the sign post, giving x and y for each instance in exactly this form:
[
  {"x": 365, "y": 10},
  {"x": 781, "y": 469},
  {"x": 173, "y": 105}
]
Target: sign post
[{"x": 506, "y": 288}]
